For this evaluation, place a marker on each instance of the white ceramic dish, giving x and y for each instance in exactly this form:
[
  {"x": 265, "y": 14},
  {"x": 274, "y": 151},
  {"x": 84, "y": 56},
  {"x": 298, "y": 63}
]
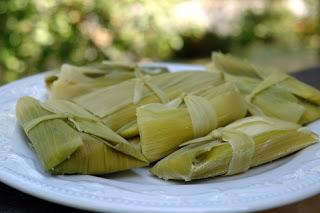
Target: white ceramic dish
[{"x": 290, "y": 179}]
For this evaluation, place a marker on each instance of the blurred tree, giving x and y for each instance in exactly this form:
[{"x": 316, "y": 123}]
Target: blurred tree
[
  {"x": 275, "y": 25},
  {"x": 35, "y": 34},
  {"x": 318, "y": 27}
]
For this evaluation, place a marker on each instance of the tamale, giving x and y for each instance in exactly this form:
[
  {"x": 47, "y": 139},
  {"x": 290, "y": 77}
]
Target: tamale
[
  {"x": 163, "y": 127},
  {"x": 73, "y": 81},
  {"x": 233, "y": 149},
  {"x": 114, "y": 104},
  {"x": 67, "y": 139},
  {"x": 273, "y": 93}
]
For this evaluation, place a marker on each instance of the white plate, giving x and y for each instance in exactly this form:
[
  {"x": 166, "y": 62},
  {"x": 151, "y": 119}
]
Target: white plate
[{"x": 290, "y": 179}]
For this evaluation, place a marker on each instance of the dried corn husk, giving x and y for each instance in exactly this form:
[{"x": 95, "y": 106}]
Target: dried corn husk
[
  {"x": 114, "y": 104},
  {"x": 68, "y": 139},
  {"x": 73, "y": 81},
  {"x": 233, "y": 149},
  {"x": 163, "y": 127},
  {"x": 272, "y": 94}
]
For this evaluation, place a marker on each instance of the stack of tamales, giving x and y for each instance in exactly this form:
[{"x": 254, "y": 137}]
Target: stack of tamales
[{"x": 110, "y": 117}]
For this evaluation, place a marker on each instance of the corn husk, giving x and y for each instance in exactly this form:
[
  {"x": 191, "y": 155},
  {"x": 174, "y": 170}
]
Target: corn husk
[
  {"x": 233, "y": 149},
  {"x": 73, "y": 81},
  {"x": 272, "y": 94},
  {"x": 163, "y": 127},
  {"x": 114, "y": 104},
  {"x": 129, "y": 130},
  {"x": 67, "y": 139}
]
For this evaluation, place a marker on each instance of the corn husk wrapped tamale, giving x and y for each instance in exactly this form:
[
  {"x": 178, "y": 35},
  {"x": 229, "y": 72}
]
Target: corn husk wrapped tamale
[
  {"x": 73, "y": 81},
  {"x": 163, "y": 127},
  {"x": 116, "y": 105},
  {"x": 233, "y": 149},
  {"x": 272, "y": 94},
  {"x": 67, "y": 139}
]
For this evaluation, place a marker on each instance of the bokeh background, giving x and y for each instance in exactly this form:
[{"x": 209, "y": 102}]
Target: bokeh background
[{"x": 38, "y": 35}]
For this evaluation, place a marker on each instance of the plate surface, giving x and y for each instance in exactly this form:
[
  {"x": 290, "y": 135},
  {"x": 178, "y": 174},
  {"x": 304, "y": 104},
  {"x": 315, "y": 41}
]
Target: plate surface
[{"x": 284, "y": 181}]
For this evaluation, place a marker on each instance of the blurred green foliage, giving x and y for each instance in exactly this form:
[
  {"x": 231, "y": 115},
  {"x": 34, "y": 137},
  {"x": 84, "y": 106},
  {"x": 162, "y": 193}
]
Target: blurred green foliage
[
  {"x": 278, "y": 39},
  {"x": 38, "y": 35},
  {"x": 276, "y": 25},
  {"x": 35, "y": 34}
]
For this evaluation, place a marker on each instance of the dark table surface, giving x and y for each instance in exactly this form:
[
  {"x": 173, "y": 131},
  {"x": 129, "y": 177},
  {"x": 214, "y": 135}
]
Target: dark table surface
[{"x": 15, "y": 201}]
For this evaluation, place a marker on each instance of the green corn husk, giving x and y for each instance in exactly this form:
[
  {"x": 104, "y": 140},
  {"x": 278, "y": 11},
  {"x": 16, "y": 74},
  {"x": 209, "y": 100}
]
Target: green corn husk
[
  {"x": 73, "y": 81},
  {"x": 114, "y": 104},
  {"x": 67, "y": 139},
  {"x": 272, "y": 94},
  {"x": 129, "y": 130},
  {"x": 163, "y": 127},
  {"x": 211, "y": 155}
]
